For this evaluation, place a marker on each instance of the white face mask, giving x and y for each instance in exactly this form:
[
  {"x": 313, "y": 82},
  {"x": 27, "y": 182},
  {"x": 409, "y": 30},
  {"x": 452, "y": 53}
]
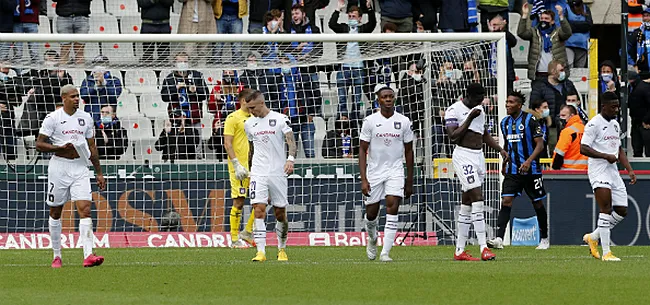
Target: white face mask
[
  {"x": 50, "y": 64},
  {"x": 252, "y": 65},
  {"x": 182, "y": 66},
  {"x": 286, "y": 70},
  {"x": 449, "y": 73},
  {"x": 562, "y": 76},
  {"x": 546, "y": 113},
  {"x": 417, "y": 77},
  {"x": 274, "y": 24}
]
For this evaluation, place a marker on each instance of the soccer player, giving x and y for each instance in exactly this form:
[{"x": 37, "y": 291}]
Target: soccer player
[
  {"x": 386, "y": 136},
  {"x": 267, "y": 132},
  {"x": 601, "y": 142},
  {"x": 465, "y": 122},
  {"x": 70, "y": 132},
  {"x": 524, "y": 140},
  {"x": 236, "y": 144}
]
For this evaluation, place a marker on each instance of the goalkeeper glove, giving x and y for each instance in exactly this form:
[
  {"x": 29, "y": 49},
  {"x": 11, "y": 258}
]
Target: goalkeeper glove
[{"x": 240, "y": 171}]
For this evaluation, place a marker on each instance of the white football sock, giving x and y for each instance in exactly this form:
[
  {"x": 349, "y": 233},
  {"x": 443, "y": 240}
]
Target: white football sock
[
  {"x": 371, "y": 227},
  {"x": 390, "y": 229},
  {"x": 604, "y": 224},
  {"x": 478, "y": 219},
  {"x": 616, "y": 219},
  {"x": 86, "y": 235},
  {"x": 281, "y": 229},
  {"x": 464, "y": 223},
  {"x": 259, "y": 235},
  {"x": 55, "y": 236}
]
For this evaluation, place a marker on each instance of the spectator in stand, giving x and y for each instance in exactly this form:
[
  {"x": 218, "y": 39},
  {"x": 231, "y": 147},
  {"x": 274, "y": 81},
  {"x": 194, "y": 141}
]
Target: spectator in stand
[
  {"x": 425, "y": 15},
  {"x": 342, "y": 142},
  {"x": 573, "y": 99},
  {"x": 608, "y": 79},
  {"x": 223, "y": 101},
  {"x": 228, "y": 15},
  {"x": 252, "y": 75},
  {"x": 309, "y": 9},
  {"x": 639, "y": 109},
  {"x": 184, "y": 90},
  {"x": 579, "y": 17},
  {"x": 638, "y": 46},
  {"x": 26, "y": 21},
  {"x": 379, "y": 71},
  {"x": 496, "y": 23},
  {"x": 72, "y": 18},
  {"x": 302, "y": 51},
  {"x": 351, "y": 73},
  {"x": 567, "y": 151},
  {"x": 539, "y": 6},
  {"x": 411, "y": 96},
  {"x": 554, "y": 89},
  {"x": 176, "y": 141},
  {"x": 271, "y": 56},
  {"x": 399, "y": 12},
  {"x": 10, "y": 98},
  {"x": 547, "y": 41},
  {"x": 110, "y": 137},
  {"x": 539, "y": 109},
  {"x": 257, "y": 11},
  {"x": 197, "y": 17},
  {"x": 155, "y": 20},
  {"x": 635, "y": 13},
  {"x": 100, "y": 88},
  {"x": 43, "y": 87},
  {"x": 488, "y": 9},
  {"x": 458, "y": 16},
  {"x": 7, "y": 8}
]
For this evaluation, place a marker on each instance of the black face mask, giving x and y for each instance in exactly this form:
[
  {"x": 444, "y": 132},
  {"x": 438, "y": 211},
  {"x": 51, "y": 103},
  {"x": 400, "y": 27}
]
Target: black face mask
[
  {"x": 544, "y": 25},
  {"x": 227, "y": 80}
]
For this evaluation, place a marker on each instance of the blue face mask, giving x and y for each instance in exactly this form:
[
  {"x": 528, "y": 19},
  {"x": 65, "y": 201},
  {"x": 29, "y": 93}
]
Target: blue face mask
[
  {"x": 353, "y": 23},
  {"x": 449, "y": 74},
  {"x": 607, "y": 77},
  {"x": 107, "y": 119},
  {"x": 286, "y": 70},
  {"x": 546, "y": 112}
]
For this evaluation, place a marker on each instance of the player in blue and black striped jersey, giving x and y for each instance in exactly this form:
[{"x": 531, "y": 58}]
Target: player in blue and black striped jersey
[{"x": 524, "y": 142}]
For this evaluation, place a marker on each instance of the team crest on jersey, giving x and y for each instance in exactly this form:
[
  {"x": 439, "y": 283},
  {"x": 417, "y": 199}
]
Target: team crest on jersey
[
  {"x": 82, "y": 122},
  {"x": 616, "y": 128},
  {"x": 242, "y": 190},
  {"x": 388, "y": 142},
  {"x": 398, "y": 125},
  {"x": 521, "y": 127},
  {"x": 272, "y": 123}
]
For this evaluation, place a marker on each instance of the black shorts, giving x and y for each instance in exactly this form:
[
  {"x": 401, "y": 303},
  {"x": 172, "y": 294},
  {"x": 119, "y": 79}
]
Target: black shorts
[{"x": 532, "y": 184}]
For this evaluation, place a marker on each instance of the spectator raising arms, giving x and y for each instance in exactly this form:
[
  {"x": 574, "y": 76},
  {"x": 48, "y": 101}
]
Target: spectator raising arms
[
  {"x": 547, "y": 41},
  {"x": 110, "y": 137},
  {"x": 100, "y": 88}
]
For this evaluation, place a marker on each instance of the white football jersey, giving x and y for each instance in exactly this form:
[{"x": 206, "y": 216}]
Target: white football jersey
[
  {"x": 62, "y": 128},
  {"x": 386, "y": 137},
  {"x": 457, "y": 113},
  {"x": 603, "y": 137},
  {"x": 267, "y": 135}
]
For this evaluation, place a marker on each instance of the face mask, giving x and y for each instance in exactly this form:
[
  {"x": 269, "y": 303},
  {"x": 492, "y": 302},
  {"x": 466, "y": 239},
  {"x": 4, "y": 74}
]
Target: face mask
[
  {"x": 252, "y": 65},
  {"x": 646, "y": 24},
  {"x": 50, "y": 64},
  {"x": 562, "y": 76},
  {"x": 227, "y": 80},
  {"x": 107, "y": 119},
  {"x": 575, "y": 105},
  {"x": 274, "y": 24},
  {"x": 3, "y": 76},
  {"x": 286, "y": 70},
  {"x": 563, "y": 122},
  {"x": 353, "y": 23},
  {"x": 546, "y": 113},
  {"x": 182, "y": 66},
  {"x": 417, "y": 77},
  {"x": 607, "y": 77},
  {"x": 449, "y": 74},
  {"x": 544, "y": 25}
]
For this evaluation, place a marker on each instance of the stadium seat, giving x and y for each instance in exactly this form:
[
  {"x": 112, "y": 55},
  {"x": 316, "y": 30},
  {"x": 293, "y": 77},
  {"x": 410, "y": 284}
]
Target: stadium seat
[
  {"x": 159, "y": 125},
  {"x": 44, "y": 26},
  {"x": 173, "y": 22},
  {"x": 152, "y": 106},
  {"x": 51, "y": 9},
  {"x": 163, "y": 74},
  {"x": 130, "y": 24},
  {"x": 127, "y": 106},
  {"x": 177, "y": 7},
  {"x": 206, "y": 126},
  {"x": 119, "y": 52},
  {"x": 91, "y": 50},
  {"x": 103, "y": 24},
  {"x": 211, "y": 76},
  {"x": 141, "y": 81},
  {"x": 146, "y": 150},
  {"x": 319, "y": 136},
  {"x": 122, "y": 8},
  {"x": 78, "y": 76},
  {"x": 513, "y": 22},
  {"x": 49, "y": 46},
  {"x": 330, "y": 102},
  {"x": 579, "y": 75},
  {"x": 138, "y": 128},
  {"x": 97, "y": 7},
  {"x": 520, "y": 52}
]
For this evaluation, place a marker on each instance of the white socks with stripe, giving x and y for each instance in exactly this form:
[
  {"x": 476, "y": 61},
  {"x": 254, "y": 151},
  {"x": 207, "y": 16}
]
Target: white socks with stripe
[
  {"x": 390, "y": 230},
  {"x": 464, "y": 223},
  {"x": 259, "y": 235},
  {"x": 55, "y": 235},
  {"x": 281, "y": 229},
  {"x": 478, "y": 219},
  {"x": 86, "y": 235},
  {"x": 606, "y": 223},
  {"x": 371, "y": 227}
]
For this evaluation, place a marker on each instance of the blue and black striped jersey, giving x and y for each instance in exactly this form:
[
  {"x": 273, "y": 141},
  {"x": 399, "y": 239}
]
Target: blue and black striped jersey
[{"x": 519, "y": 135}]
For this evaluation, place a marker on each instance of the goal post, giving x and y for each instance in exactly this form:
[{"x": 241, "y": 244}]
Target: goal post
[{"x": 177, "y": 192}]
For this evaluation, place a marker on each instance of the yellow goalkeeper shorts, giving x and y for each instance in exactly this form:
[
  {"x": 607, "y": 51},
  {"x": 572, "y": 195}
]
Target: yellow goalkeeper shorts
[{"x": 238, "y": 188}]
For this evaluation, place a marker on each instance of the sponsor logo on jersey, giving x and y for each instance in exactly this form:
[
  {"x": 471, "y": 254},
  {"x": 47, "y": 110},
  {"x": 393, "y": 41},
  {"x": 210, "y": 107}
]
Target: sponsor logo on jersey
[
  {"x": 387, "y": 135},
  {"x": 398, "y": 125},
  {"x": 82, "y": 122},
  {"x": 388, "y": 142},
  {"x": 63, "y": 122},
  {"x": 607, "y": 138},
  {"x": 272, "y": 122},
  {"x": 73, "y": 131},
  {"x": 378, "y": 125},
  {"x": 242, "y": 190},
  {"x": 264, "y": 132}
]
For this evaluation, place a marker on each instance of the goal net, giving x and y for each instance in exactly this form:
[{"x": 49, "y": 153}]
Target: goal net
[{"x": 161, "y": 140}]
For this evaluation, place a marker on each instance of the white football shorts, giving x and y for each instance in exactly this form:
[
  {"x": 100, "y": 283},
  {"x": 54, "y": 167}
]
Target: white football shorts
[
  {"x": 389, "y": 186},
  {"x": 610, "y": 179},
  {"x": 261, "y": 187},
  {"x": 469, "y": 166},
  {"x": 67, "y": 180}
]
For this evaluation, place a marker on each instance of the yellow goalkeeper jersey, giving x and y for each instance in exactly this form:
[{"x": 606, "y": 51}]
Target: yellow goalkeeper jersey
[{"x": 234, "y": 127}]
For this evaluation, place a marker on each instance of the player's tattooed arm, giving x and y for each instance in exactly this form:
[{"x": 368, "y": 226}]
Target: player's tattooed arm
[
  {"x": 291, "y": 142},
  {"x": 250, "y": 154}
]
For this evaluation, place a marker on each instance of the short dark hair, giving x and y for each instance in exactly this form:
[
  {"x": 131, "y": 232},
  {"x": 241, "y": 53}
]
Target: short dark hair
[
  {"x": 572, "y": 109},
  {"x": 550, "y": 13},
  {"x": 254, "y": 95},
  {"x": 389, "y": 26},
  {"x": 52, "y": 53},
  {"x": 245, "y": 94},
  {"x": 298, "y": 6},
  {"x": 354, "y": 8},
  {"x": 475, "y": 89},
  {"x": 520, "y": 96},
  {"x": 608, "y": 97},
  {"x": 537, "y": 104}
]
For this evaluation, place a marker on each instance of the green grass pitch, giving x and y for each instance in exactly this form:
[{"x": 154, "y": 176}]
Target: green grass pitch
[{"x": 326, "y": 275}]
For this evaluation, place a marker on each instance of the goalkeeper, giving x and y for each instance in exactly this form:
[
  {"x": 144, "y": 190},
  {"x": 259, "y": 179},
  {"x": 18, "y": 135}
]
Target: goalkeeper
[{"x": 236, "y": 144}]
